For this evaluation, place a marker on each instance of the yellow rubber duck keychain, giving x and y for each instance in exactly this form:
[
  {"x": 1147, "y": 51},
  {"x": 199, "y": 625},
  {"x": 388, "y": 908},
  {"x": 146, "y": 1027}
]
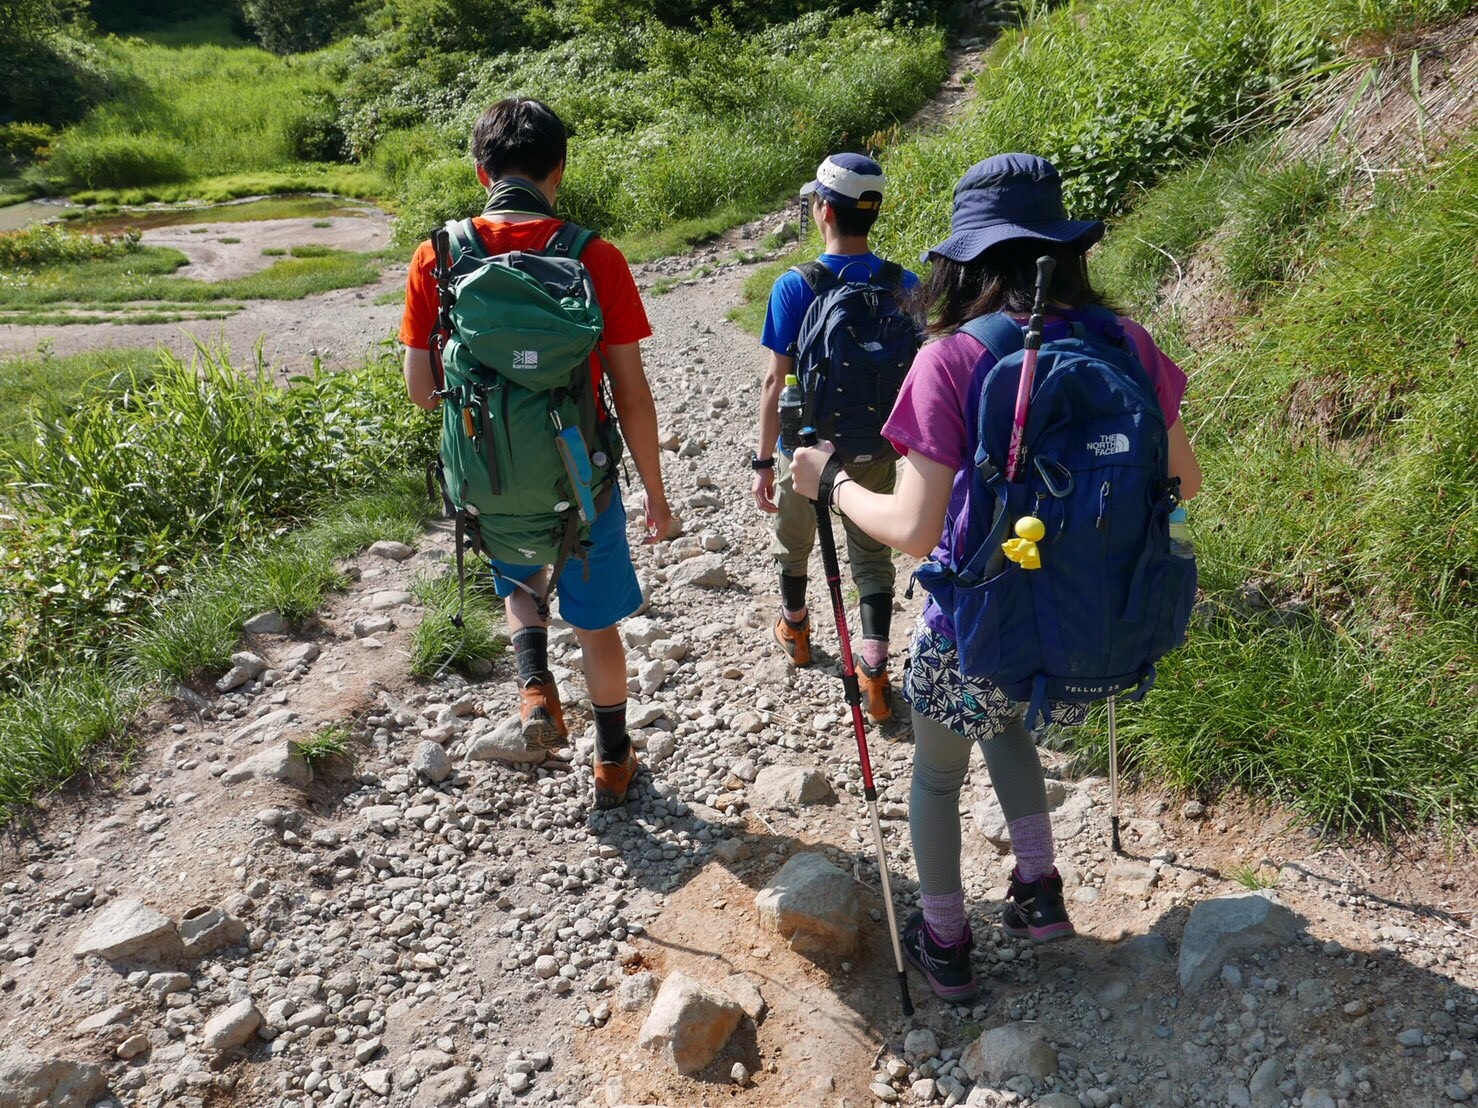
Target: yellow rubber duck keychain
[{"x": 1023, "y": 549}]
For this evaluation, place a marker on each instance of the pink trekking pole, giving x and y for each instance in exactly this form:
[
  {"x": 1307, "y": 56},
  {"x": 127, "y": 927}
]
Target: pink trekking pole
[{"x": 1014, "y": 459}]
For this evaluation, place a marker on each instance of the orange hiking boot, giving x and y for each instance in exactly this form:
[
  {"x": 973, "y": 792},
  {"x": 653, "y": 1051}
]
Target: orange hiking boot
[
  {"x": 795, "y": 639},
  {"x": 877, "y": 693},
  {"x": 613, "y": 780},
  {"x": 541, "y": 715}
]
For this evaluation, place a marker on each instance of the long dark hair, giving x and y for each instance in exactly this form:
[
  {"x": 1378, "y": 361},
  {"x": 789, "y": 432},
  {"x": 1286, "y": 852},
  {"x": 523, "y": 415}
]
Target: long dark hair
[{"x": 1002, "y": 279}]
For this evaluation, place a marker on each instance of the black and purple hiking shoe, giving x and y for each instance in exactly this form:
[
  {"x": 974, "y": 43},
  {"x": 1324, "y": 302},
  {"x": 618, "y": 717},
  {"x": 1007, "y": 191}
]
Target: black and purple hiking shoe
[
  {"x": 1035, "y": 909},
  {"x": 947, "y": 967}
]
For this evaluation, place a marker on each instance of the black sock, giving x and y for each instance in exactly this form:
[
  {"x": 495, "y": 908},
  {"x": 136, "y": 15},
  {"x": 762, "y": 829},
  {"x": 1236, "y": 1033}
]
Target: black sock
[
  {"x": 877, "y": 615},
  {"x": 792, "y": 592},
  {"x": 531, "y": 653},
  {"x": 611, "y": 740}
]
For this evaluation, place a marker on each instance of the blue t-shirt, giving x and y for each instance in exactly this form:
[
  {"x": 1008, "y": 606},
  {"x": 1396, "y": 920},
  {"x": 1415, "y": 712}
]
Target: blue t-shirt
[{"x": 791, "y": 296}]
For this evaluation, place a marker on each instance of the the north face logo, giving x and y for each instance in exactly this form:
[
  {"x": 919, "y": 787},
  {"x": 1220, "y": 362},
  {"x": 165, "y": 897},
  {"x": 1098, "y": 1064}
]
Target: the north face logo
[
  {"x": 529, "y": 359},
  {"x": 1110, "y": 444}
]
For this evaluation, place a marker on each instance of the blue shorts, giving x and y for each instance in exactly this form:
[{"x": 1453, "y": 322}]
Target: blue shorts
[{"x": 604, "y": 597}]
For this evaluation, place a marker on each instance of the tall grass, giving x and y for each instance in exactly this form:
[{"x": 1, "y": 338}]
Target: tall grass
[
  {"x": 119, "y": 502},
  {"x": 645, "y": 114},
  {"x": 189, "y": 111},
  {"x": 1338, "y": 428},
  {"x": 1120, "y": 93}
]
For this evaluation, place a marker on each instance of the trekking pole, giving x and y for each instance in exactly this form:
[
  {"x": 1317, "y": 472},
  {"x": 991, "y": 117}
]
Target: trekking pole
[
  {"x": 854, "y": 701},
  {"x": 1033, "y": 343},
  {"x": 1113, "y": 730}
]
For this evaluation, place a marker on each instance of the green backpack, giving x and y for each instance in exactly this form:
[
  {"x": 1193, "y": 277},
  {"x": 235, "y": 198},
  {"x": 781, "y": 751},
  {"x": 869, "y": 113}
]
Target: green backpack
[{"x": 527, "y": 458}]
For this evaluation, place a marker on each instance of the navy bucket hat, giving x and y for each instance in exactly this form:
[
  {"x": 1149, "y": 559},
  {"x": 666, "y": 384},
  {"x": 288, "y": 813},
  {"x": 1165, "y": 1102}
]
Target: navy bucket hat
[{"x": 1011, "y": 196}]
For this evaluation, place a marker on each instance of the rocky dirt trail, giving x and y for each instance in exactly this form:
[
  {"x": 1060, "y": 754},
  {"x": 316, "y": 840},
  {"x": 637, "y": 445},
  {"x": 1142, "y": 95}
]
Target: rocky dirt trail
[{"x": 441, "y": 922}]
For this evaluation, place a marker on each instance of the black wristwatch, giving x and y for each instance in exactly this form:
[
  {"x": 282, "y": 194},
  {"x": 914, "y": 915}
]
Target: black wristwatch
[{"x": 758, "y": 463}]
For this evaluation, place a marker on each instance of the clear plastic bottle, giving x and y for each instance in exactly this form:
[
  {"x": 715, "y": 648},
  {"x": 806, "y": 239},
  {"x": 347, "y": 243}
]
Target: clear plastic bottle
[
  {"x": 792, "y": 414},
  {"x": 1180, "y": 533}
]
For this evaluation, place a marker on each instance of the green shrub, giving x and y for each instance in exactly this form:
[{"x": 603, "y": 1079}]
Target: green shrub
[
  {"x": 117, "y": 161},
  {"x": 119, "y": 502},
  {"x": 24, "y": 141},
  {"x": 1274, "y": 215},
  {"x": 48, "y": 244},
  {"x": 315, "y": 135}
]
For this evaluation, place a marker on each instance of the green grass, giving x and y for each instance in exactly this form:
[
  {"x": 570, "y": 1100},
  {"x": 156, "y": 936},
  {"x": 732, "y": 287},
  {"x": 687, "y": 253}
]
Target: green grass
[
  {"x": 47, "y": 386},
  {"x": 357, "y": 181},
  {"x": 1250, "y": 877},
  {"x": 147, "y": 275},
  {"x": 190, "y": 112},
  {"x": 127, "y": 498},
  {"x": 109, "y": 217},
  {"x": 76, "y": 717},
  {"x": 438, "y": 644},
  {"x": 324, "y": 747},
  {"x": 1338, "y": 429}
]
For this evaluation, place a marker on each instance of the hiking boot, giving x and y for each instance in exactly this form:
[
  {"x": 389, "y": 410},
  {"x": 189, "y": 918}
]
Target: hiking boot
[
  {"x": 542, "y": 718},
  {"x": 877, "y": 693},
  {"x": 795, "y": 639},
  {"x": 613, "y": 780},
  {"x": 1035, "y": 909},
  {"x": 947, "y": 968}
]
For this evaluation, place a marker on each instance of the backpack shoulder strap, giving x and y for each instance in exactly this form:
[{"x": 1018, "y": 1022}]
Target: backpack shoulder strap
[
  {"x": 816, "y": 275},
  {"x": 569, "y": 241},
  {"x": 466, "y": 239},
  {"x": 890, "y": 275},
  {"x": 998, "y": 333}
]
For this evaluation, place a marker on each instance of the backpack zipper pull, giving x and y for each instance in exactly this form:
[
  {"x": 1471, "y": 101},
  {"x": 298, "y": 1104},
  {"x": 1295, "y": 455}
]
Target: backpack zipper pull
[{"x": 1103, "y": 506}]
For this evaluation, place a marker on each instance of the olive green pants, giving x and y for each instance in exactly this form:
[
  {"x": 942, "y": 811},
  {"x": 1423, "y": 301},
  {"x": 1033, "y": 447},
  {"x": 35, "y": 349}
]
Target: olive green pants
[{"x": 795, "y": 530}]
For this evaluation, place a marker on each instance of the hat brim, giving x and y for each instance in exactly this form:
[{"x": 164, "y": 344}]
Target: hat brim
[
  {"x": 966, "y": 246},
  {"x": 809, "y": 187}
]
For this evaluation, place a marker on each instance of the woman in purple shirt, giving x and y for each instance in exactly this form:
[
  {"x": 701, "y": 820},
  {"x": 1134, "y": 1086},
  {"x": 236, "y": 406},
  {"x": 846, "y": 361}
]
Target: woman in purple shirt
[{"x": 1008, "y": 210}]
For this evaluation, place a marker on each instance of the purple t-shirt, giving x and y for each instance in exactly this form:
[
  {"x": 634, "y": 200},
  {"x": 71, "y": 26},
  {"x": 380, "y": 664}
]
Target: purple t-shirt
[{"x": 933, "y": 410}]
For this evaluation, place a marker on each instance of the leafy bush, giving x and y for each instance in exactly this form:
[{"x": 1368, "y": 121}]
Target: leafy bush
[
  {"x": 48, "y": 244},
  {"x": 120, "y": 501},
  {"x": 24, "y": 141},
  {"x": 315, "y": 135},
  {"x": 295, "y": 26},
  {"x": 117, "y": 161}
]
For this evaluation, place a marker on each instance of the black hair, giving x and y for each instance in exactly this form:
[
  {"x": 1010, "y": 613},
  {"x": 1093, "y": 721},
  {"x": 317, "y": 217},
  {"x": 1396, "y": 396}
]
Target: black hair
[
  {"x": 858, "y": 221},
  {"x": 520, "y": 137},
  {"x": 1002, "y": 279}
]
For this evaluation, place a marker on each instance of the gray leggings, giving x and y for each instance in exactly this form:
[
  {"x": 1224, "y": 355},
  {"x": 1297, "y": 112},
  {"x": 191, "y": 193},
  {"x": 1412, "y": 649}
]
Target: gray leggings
[{"x": 940, "y": 760}]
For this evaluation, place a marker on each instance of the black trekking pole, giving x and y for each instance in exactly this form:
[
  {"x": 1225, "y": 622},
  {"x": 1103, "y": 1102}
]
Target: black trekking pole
[
  {"x": 1113, "y": 731},
  {"x": 854, "y": 701}
]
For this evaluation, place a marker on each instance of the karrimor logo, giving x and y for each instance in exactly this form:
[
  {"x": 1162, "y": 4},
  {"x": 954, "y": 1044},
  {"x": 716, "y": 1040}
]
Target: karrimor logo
[
  {"x": 1110, "y": 444},
  {"x": 529, "y": 359}
]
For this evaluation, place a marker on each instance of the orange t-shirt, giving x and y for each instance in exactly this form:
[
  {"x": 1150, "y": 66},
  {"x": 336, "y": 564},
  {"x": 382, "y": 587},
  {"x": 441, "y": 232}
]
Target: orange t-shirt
[{"x": 615, "y": 288}]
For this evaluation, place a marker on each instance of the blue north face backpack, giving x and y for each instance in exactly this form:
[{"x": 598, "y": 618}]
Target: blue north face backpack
[
  {"x": 1111, "y": 596},
  {"x": 852, "y": 354}
]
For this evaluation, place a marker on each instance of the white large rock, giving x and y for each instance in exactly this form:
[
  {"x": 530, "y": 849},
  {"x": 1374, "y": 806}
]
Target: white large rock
[
  {"x": 813, "y": 904},
  {"x": 1222, "y": 927},
  {"x": 205, "y": 929},
  {"x": 689, "y": 1023},
  {"x": 232, "y": 1027},
  {"x": 30, "y": 1081},
  {"x": 790, "y": 786},
  {"x": 244, "y": 667},
  {"x": 505, "y": 744},
  {"x": 431, "y": 762},
  {"x": 1012, "y": 1050},
  {"x": 129, "y": 929},
  {"x": 280, "y": 763},
  {"x": 706, "y": 571}
]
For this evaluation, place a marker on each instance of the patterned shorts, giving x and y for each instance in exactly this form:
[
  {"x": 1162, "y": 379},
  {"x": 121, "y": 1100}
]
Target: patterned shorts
[{"x": 970, "y": 706}]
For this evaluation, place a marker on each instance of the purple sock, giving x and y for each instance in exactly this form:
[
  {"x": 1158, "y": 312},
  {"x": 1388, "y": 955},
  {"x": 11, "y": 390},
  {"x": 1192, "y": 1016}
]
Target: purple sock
[
  {"x": 794, "y": 615},
  {"x": 1031, "y": 841},
  {"x": 945, "y": 916},
  {"x": 874, "y": 652}
]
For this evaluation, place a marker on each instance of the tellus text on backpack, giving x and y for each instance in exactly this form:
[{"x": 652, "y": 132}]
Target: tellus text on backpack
[
  {"x": 853, "y": 351},
  {"x": 528, "y": 456},
  {"x": 1111, "y": 596}
]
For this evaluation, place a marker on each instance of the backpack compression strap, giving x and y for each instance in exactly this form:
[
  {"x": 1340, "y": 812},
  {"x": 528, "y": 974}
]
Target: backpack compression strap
[{"x": 569, "y": 241}]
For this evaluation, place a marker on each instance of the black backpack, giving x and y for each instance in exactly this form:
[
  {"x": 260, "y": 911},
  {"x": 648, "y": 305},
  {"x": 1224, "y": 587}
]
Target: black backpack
[{"x": 855, "y": 347}]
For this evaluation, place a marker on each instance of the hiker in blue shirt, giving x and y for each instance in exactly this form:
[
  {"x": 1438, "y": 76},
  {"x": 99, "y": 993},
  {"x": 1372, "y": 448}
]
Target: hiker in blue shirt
[{"x": 845, "y": 199}]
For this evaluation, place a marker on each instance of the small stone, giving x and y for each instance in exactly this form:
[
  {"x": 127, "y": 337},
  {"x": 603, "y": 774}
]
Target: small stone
[
  {"x": 689, "y": 1023},
  {"x": 391, "y": 550},
  {"x": 244, "y": 667},
  {"x": 813, "y": 904},
  {"x": 387, "y": 599},
  {"x": 127, "y": 929},
  {"x": 431, "y": 762},
  {"x": 265, "y": 623},
  {"x": 739, "y": 1075},
  {"x": 921, "y": 1044},
  {"x": 232, "y": 1027}
]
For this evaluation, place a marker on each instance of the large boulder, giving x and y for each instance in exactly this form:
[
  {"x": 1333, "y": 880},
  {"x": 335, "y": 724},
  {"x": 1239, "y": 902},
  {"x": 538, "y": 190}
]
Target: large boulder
[
  {"x": 1012, "y": 1050},
  {"x": 813, "y": 904},
  {"x": 790, "y": 787},
  {"x": 706, "y": 571},
  {"x": 30, "y": 1081},
  {"x": 689, "y": 1023},
  {"x": 1220, "y": 928},
  {"x": 280, "y": 763},
  {"x": 504, "y": 743},
  {"x": 129, "y": 929}
]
